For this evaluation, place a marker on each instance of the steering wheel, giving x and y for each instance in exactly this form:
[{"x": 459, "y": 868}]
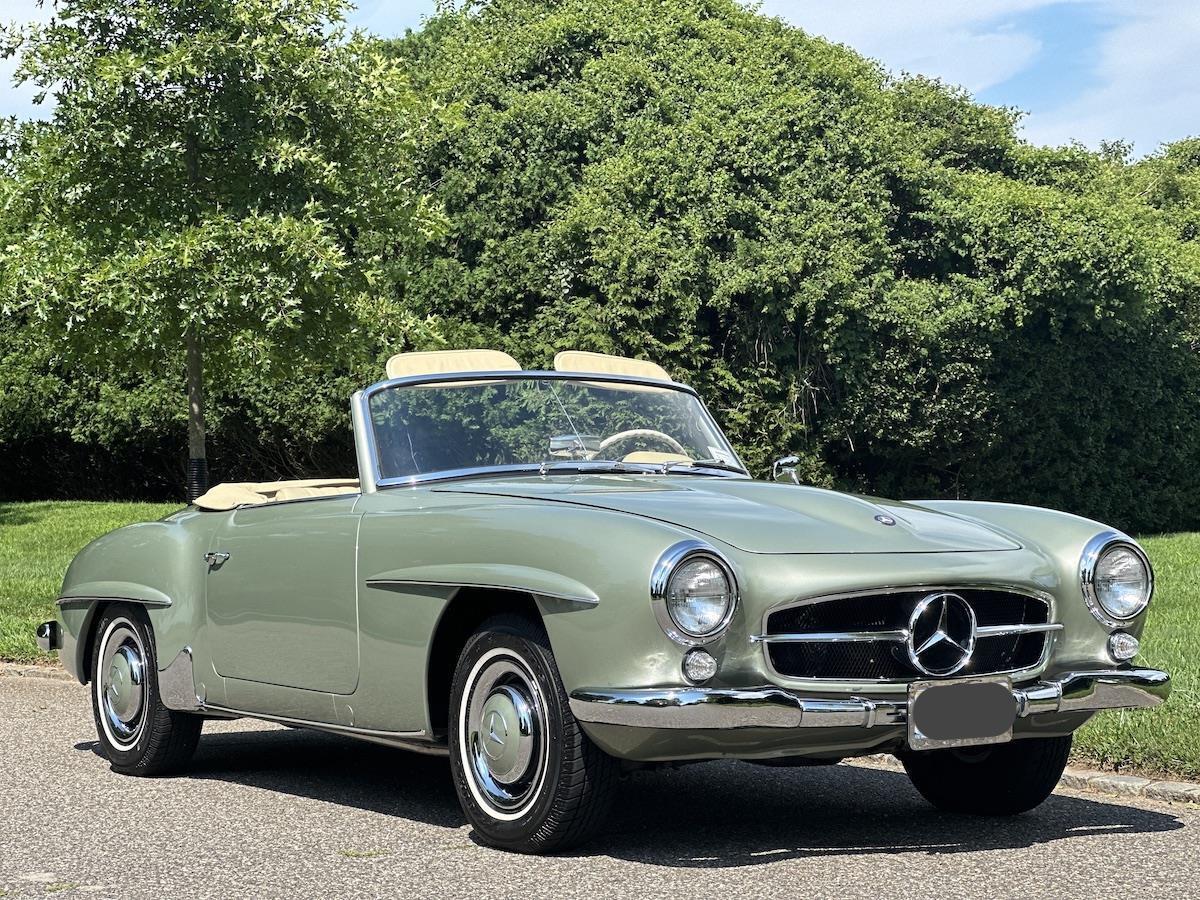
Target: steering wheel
[{"x": 675, "y": 446}]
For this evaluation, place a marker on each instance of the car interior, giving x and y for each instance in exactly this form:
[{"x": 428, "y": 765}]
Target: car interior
[{"x": 233, "y": 494}]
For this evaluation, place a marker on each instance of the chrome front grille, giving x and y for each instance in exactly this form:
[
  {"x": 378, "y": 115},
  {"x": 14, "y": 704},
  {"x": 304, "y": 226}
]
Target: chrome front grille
[{"x": 865, "y": 636}]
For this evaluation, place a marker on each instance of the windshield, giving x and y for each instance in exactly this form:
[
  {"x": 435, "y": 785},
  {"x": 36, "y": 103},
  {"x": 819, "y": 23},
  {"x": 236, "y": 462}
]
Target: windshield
[{"x": 545, "y": 424}]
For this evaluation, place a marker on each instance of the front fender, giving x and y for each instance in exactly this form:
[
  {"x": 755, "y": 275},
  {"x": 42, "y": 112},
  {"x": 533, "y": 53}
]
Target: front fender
[
  {"x": 158, "y": 565},
  {"x": 1060, "y": 537}
]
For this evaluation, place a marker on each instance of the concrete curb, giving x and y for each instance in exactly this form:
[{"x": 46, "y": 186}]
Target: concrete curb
[
  {"x": 1090, "y": 780},
  {"x": 29, "y": 670}
]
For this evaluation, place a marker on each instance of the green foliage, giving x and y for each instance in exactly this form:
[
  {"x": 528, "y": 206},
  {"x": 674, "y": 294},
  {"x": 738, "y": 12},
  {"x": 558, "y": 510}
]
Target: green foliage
[
  {"x": 874, "y": 272},
  {"x": 239, "y": 171}
]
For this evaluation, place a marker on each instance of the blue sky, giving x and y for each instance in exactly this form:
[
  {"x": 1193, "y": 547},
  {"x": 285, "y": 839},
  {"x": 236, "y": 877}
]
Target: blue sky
[{"x": 1085, "y": 70}]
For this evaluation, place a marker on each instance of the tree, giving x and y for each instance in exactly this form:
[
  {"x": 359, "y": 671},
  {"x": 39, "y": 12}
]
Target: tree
[
  {"x": 223, "y": 184},
  {"x": 874, "y": 272}
]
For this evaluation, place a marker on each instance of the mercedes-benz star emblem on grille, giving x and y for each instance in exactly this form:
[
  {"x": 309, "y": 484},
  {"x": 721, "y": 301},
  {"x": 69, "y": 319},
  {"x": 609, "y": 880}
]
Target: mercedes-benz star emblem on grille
[{"x": 941, "y": 634}]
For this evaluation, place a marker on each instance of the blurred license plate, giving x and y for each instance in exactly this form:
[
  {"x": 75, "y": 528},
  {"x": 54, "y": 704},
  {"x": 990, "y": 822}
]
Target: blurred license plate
[{"x": 960, "y": 713}]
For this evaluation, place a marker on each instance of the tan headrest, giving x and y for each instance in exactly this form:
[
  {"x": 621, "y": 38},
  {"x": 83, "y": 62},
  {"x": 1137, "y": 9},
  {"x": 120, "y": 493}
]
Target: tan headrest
[
  {"x": 604, "y": 364},
  {"x": 433, "y": 362}
]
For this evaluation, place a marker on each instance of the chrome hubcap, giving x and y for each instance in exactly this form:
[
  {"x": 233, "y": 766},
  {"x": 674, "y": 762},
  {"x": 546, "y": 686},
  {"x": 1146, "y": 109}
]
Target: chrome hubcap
[
  {"x": 122, "y": 684},
  {"x": 504, "y": 745}
]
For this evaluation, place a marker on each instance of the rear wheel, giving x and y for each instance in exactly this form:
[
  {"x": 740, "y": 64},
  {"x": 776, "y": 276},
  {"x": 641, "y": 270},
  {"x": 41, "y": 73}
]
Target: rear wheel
[
  {"x": 137, "y": 733},
  {"x": 995, "y": 780},
  {"x": 527, "y": 776}
]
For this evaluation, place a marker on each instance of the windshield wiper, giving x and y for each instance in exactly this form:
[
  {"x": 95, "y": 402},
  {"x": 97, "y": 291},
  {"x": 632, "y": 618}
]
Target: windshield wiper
[
  {"x": 683, "y": 468},
  {"x": 599, "y": 466}
]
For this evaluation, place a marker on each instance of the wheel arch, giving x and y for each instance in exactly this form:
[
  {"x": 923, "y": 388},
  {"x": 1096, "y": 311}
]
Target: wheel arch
[
  {"x": 469, "y": 608},
  {"x": 89, "y": 614}
]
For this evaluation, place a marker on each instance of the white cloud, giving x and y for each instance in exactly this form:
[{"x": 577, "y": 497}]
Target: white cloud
[
  {"x": 1147, "y": 70},
  {"x": 1147, "y": 61},
  {"x": 972, "y": 44}
]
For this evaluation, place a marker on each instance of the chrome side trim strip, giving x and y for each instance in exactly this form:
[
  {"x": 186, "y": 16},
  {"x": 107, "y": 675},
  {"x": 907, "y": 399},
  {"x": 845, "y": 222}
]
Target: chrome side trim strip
[
  {"x": 398, "y": 738},
  {"x": 64, "y": 602},
  {"x": 176, "y": 684},
  {"x": 772, "y": 707},
  {"x": 404, "y": 582}
]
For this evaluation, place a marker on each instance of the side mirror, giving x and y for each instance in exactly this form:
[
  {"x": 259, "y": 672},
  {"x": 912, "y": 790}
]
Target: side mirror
[{"x": 784, "y": 469}]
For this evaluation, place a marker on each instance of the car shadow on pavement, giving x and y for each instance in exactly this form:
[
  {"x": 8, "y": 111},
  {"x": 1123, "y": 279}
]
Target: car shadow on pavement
[
  {"x": 729, "y": 815},
  {"x": 709, "y": 815},
  {"x": 328, "y": 768}
]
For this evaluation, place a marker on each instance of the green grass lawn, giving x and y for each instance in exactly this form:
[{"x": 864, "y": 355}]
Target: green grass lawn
[
  {"x": 1165, "y": 740},
  {"x": 38, "y": 540}
]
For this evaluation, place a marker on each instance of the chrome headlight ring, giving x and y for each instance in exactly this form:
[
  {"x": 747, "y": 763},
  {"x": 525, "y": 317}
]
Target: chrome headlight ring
[
  {"x": 1093, "y": 552},
  {"x": 660, "y": 580}
]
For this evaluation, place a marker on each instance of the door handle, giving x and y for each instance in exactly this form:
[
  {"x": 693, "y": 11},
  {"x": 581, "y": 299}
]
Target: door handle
[{"x": 216, "y": 558}]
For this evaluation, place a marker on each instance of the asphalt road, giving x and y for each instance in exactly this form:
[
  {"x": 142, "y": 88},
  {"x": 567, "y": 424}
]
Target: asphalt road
[{"x": 272, "y": 812}]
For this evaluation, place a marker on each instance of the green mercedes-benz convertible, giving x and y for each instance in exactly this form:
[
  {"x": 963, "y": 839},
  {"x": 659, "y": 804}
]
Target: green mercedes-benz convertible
[{"x": 557, "y": 576}]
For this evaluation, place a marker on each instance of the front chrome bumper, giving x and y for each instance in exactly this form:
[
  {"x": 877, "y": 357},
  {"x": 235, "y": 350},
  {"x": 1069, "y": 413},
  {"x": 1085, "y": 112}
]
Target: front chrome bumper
[{"x": 773, "y": 707}]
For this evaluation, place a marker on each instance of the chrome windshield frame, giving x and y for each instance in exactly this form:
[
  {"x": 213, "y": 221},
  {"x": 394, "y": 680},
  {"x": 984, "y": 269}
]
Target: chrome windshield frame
[{"x": 367, "y": 452}]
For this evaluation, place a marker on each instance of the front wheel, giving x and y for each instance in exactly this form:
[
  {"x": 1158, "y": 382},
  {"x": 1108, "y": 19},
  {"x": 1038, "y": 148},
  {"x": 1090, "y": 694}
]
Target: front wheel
[
  {"x": 527, "y": 776},
  {"x": 138, "y": 734},
  {"x": 993, "y": 780}
]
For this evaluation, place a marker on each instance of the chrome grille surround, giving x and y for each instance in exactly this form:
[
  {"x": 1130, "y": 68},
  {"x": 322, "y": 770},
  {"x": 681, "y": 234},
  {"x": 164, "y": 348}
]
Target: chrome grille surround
[{"x": 908, "y": 596}]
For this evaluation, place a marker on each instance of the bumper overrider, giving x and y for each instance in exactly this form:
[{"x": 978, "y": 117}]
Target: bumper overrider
[
  {"x": 49, "y": 637},
  {"x": 775, "y": 707}
]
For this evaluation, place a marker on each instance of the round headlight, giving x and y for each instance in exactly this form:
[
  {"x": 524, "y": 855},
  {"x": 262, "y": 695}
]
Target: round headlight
[
  {"x": 694, "y": 593},
  {"x": 1117, "y": 580},
  {"x": 699, "y": 597}
]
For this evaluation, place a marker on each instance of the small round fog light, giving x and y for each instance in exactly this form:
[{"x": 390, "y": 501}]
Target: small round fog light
[
  {"x": 1122, "y": 647},
  {"x": 699, "y": 666}
]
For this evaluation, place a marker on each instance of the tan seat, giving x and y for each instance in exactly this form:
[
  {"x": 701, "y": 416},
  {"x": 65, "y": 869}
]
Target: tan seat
[
  {"x": 233, "y": 494},
  {"x": 436, "y": 362},
  {"x": 605, "y": 364},
  {"x": 653, "y": 457}
]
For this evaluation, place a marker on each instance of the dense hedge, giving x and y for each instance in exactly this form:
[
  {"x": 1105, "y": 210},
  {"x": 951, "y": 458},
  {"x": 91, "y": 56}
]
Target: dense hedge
[{"x": 875, "y": 273}]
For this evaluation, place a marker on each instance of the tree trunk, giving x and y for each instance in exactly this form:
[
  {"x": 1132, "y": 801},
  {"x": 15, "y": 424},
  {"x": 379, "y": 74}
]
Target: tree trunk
[{"x": 197, "y": 471}]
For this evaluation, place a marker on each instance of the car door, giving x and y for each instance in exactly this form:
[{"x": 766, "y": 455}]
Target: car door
[{"x": 282, "y": 600}]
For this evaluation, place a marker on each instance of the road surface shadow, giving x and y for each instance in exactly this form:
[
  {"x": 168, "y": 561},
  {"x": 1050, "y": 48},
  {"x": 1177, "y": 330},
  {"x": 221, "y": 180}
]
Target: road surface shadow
[
  {"x": 727, "y": 814},
  {"x": 710, "y": 815}
]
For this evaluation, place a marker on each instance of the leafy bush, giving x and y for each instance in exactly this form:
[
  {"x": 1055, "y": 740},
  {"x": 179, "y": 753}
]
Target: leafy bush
[
  {"x": 873, "y": 272},
  {"x": 876, "y": 273}
]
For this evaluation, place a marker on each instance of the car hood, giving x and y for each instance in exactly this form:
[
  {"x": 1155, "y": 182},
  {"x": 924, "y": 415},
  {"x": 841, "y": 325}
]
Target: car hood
[{"x": 757, "y": 516}]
